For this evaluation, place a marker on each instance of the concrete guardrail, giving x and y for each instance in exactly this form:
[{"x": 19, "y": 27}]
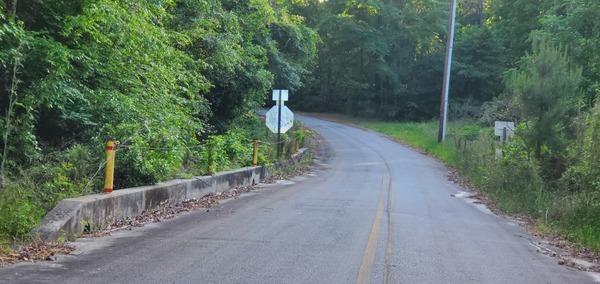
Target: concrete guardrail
[{"x": 71, "y": 216}]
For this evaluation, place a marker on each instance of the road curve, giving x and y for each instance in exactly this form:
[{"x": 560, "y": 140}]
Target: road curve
[{"x": 374, "y": 211}]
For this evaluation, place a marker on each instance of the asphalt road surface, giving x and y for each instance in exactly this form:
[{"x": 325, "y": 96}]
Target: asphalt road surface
[{"x": 372, "y": 211}]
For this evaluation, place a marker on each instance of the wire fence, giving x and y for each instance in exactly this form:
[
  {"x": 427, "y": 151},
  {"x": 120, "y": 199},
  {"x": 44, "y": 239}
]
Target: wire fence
[{"x": 121, "y": 147}]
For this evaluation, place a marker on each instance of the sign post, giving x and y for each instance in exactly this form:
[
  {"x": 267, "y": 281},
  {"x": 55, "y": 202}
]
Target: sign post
[
  {"x": 279, "y": 118},
  {"x": 504, "y": 129},
  {"x": 279, "y": 103}
]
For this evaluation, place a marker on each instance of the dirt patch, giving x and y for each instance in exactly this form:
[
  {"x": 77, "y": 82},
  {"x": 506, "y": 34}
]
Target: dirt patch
[
  {"x": 168, "y": 211},
  {"x": 32, "y": 252}
]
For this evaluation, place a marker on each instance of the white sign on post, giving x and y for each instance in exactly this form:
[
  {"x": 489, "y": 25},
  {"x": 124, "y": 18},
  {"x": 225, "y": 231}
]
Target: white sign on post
[
  {"x": 287, "y": 119},
  {"x": 284, "y": 95},
  {"x": 499, "y": 128}
]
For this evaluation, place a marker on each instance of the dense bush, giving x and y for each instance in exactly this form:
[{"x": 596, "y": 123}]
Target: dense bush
[
  {"x": 515, "y": 182},
  {"x": 165, "y": 78},
  {"x": 19, "y": 210},
  {"x": 79, "y": 170}
]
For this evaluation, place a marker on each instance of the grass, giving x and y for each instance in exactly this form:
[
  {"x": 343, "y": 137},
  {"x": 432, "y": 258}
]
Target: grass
[{"x": 419, "y": 135}]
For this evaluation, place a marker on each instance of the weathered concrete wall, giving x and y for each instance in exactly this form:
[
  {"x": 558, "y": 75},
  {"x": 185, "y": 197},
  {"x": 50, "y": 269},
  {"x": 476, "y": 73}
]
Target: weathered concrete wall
[{"x": 70, "y": 217}]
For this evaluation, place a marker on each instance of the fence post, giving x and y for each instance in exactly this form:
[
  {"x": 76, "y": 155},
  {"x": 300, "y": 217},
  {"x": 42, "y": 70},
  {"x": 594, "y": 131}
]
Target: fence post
[
  {"x": 212, "y": 163},
  {"x": 255, "y": 159},
  {"x": 110, "y": 165}
]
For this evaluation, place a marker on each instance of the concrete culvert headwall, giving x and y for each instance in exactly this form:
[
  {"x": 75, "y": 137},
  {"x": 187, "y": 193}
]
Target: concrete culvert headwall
[{"x": 72, "y": 216}]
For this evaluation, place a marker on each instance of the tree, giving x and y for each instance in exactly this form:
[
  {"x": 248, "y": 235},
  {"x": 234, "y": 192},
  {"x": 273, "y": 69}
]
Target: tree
[
  {"x": 12, "y": 52},
  {"x": 477, "y": 71},
  {"x": 546, "y": 89},
  {"x": 512, "y": 21},
  {"x": 378, "y": 58},
  {"x": 575, "y": 24}
]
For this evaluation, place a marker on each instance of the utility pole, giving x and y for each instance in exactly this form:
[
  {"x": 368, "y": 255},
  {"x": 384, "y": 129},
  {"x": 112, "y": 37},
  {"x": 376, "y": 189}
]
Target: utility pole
[{"x": 447, "y": 68}]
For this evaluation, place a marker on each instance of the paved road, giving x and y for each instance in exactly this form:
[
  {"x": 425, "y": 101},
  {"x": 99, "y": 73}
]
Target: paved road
[{"x": 374, "y": 211}]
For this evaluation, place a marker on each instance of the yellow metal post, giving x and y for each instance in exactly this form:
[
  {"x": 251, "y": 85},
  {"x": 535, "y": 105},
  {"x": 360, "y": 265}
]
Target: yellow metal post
[
  {"x": 110, "y": 165},
  {"x": 255, "y": 159}
]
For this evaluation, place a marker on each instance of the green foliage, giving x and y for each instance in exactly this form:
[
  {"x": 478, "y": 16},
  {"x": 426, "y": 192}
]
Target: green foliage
[
  {"x": 584, "y": 173},
  {"x": 475, "y": 151},
  {"x": 477, "y": 72},
  {"x": 376, "y": 58},
  {"x": 236, "y": 42},
  {"x": 25, "y": 199},
  {"x": 15, "y": 108},
  {"x": 515, "y": 181},
  {"x": 512, "y": 21},
  {"x": 159, "y": 76},
  {"x": 167, "y": 76},
  {"x": 546, "y": 89},
  {"x": 292, "y": 48},
  {"x": 385, "y": 59},
  {"x": 300, "y": 136},
  {"x": 575, "y": 24},
  {"x": 225, "y": 152},
  {"x": 18, "y": 212}
]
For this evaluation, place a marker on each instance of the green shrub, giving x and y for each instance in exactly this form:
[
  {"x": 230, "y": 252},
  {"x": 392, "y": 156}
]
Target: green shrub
[
  {"x": 476, "y": 156},
  {"x": 226, "y": 152},
  {"x": 19, "y": 212},
  {"x": 584, "y": 173}
]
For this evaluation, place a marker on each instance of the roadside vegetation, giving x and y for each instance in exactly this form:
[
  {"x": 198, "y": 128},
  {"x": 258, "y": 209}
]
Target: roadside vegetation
[
  {"x": 549, "y": 170},
  {"x": 534, "y": 63},
  {"x": 177, "y": 83},
  {"x": 566, "y": 205}
]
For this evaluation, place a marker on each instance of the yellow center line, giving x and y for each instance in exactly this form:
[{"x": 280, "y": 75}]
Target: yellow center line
[
  {"x": 369, "y": 254},
  {"x": 388, "y": 249}
]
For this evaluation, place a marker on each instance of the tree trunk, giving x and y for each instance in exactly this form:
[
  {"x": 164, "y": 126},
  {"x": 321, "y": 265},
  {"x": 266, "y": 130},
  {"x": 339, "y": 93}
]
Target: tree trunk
[
  {"x": 480, "y": 13},
  {"x": 12, "y": 100},
  {"x": 538, "y": 151},
  {"x": 13, "y": 10}
]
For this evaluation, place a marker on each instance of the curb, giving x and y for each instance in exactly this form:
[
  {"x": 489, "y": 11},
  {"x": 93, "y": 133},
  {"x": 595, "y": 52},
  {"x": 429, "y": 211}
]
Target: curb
[{"x": 72, "y": 216}]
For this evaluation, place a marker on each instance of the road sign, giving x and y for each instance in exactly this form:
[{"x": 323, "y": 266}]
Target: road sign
[
  {"x": 499, "y": 127},
  {"x": 284, "y": 95},
  {"x": 287, "y": 119}
]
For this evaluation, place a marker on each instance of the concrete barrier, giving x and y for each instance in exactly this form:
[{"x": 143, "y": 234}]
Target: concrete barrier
[{"x": 71, "y": 216}]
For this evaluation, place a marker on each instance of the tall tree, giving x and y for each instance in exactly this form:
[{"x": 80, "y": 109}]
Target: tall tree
[
  {"x": 370, "y": 53},
  {"x": 477, "y": 71},
  {"x": 546, "y": 88},
  {"x": 575, "y": 25},
  {"x": 513, "y": 20}
]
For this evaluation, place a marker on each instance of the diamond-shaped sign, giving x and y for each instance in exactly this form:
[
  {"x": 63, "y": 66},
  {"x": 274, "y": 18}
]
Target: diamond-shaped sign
[{"x": 287, "y": 119}]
